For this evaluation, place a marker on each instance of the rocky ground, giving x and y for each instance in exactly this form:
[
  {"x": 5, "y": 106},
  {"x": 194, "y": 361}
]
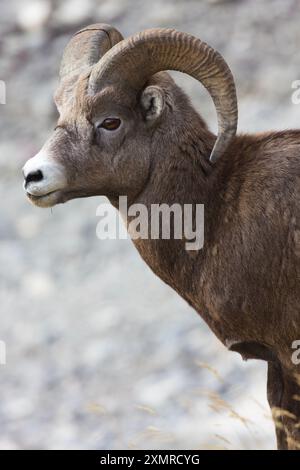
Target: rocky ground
[{"x": 101, "y": 354}]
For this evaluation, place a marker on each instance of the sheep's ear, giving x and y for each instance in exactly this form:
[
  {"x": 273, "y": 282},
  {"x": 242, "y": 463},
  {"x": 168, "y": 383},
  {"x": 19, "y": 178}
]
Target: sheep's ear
[{"x": 153, "y": 102}]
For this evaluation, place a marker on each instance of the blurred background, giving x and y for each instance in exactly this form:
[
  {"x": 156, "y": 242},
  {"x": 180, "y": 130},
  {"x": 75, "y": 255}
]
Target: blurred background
[{"x": 100, "y": 353}]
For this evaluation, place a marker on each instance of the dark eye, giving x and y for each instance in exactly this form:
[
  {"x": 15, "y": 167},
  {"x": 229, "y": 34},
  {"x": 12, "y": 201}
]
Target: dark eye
[{"x": 110, "y": 124}]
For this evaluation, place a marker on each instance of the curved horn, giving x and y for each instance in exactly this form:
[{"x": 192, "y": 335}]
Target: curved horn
[
  {"x": 86, "y": 47},
  {"x": 135, "y": 59}
]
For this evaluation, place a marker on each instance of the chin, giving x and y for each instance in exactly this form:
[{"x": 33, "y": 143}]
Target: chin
[
  {"x": 58, "y": 197},
  {"x": 47, "y": 200}
]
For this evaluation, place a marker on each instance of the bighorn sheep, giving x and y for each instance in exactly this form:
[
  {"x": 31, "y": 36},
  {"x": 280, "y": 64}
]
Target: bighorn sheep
[{"x": 125, "y": 128}]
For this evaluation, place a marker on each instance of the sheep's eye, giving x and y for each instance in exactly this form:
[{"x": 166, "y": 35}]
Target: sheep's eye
[{"x": 110, "y": 124}]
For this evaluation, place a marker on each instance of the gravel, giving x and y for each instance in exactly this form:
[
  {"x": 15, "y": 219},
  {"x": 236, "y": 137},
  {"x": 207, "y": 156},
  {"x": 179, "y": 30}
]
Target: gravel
[{"x": 100, "y": 353}]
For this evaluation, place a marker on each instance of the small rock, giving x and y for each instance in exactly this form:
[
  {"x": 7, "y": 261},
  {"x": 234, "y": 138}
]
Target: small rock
[
  {"x": 38, "y": 284},
  {"x": 33, "y": 14}
]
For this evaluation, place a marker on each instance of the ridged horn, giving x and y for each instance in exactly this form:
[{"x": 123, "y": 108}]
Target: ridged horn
[
  {"x": 135, "y": 59},
  {"x": 86, "y": 48}
]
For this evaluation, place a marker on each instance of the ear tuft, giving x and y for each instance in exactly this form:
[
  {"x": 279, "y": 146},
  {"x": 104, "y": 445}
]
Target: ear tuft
[{"x": 153, "y": 102}]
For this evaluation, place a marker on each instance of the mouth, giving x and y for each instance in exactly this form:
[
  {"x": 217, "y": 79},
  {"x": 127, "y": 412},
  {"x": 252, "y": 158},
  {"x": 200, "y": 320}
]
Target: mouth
[
  {"x": 52, "y": 198},
  {"x": 46, "y": 200}
]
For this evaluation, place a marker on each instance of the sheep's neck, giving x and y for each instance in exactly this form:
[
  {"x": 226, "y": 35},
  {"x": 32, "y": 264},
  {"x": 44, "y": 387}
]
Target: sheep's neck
[{"x": 179, "y": 178}]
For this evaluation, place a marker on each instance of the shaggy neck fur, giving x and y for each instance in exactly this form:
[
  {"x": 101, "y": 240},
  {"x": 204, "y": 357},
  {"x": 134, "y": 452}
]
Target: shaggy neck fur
[{"x": 183, "y": 175}]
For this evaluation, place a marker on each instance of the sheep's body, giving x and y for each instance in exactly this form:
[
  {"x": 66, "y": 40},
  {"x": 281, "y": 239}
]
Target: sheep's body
[{"x": 245, "y": 280}]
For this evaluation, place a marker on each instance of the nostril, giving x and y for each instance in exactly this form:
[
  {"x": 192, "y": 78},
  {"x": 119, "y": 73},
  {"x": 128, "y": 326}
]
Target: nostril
[{"x": 34, "y": 176}]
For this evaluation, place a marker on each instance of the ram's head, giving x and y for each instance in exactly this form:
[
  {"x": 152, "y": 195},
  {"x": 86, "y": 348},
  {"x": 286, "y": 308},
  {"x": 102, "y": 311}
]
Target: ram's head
[{"x": 115, "y": 103}]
